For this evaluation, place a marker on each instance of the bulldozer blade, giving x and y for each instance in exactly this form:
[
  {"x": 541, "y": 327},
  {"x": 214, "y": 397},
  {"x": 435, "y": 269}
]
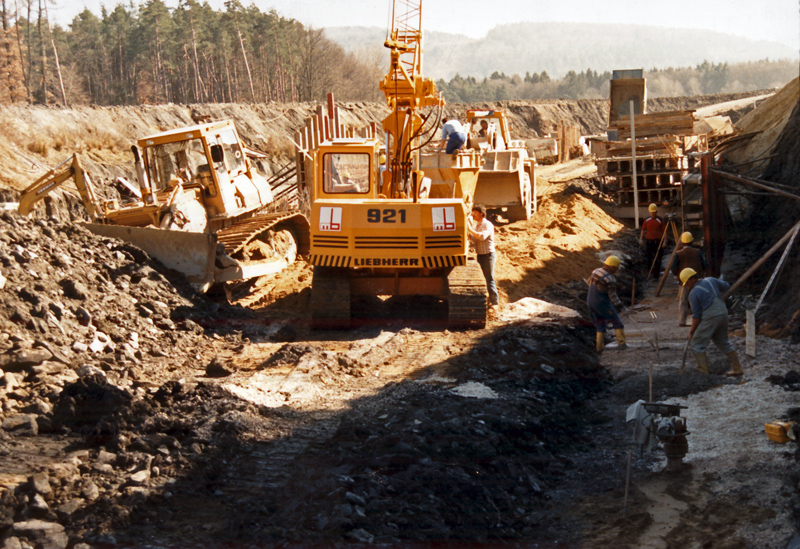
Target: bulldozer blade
[{"x": 190, "y": 253}]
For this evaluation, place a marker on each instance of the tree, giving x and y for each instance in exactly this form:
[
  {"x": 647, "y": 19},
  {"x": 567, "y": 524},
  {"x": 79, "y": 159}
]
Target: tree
[{"x": 12, "y": 78}]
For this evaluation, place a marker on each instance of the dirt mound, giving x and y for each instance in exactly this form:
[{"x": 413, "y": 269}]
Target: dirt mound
[
  {"x": 768, "y": 121},
  {"x": 772, "y": 154}
]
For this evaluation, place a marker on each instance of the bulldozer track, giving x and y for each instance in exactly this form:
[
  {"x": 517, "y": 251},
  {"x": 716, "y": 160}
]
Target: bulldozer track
[
  {"x": 235, "y": 237},
  {"x": 467, "y": 301}
]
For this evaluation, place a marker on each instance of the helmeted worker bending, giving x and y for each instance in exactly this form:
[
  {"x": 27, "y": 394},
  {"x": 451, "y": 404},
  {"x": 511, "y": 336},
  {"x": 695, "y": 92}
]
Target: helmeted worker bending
[
  {"x": 602, "y": 300},
  {"x": 709, "y": 320},
  {"x": 687, "y": 256}
]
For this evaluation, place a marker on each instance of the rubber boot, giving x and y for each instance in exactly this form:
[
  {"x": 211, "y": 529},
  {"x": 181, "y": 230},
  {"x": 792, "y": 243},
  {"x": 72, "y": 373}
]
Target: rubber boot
[
  {"x": 600, "y": 342},
  {"x": 621, "y": 342},
  {"x": 702, "y": 362},
  {"x": 736, "y": 366}
]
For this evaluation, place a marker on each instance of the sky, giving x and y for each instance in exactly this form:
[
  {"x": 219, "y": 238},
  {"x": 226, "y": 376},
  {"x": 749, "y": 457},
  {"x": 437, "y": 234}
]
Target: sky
[{"x": 773, "y": 20}]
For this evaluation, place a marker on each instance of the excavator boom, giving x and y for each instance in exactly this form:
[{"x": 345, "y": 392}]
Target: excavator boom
[{"x": 54, "y": 179}]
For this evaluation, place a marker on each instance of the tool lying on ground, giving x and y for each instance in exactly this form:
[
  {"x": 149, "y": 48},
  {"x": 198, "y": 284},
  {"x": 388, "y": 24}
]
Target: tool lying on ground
[{"x": 627, "y": 312}]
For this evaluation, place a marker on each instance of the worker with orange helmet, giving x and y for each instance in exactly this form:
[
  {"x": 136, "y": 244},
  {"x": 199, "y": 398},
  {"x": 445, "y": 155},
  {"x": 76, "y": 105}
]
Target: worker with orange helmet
[
  {"x": 652, "y": 233},
  {"x": 687, "y": 256},
  {"x": 709, "y": 319},
  {"x": 603, "y": 302}
]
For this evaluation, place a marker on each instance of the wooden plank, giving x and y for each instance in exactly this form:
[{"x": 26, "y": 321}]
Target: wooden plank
[{"x": 750, "y": 333}]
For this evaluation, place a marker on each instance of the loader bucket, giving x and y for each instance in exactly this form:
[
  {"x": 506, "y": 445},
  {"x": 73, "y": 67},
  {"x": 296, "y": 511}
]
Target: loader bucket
[
  {"x": 192, "y": 254},
  {"x": 451, "y": 177}
]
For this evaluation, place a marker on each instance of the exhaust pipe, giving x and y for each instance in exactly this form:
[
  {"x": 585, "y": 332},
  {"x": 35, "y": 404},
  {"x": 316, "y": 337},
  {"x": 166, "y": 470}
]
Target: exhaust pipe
[{"x": 141, "y": 175}]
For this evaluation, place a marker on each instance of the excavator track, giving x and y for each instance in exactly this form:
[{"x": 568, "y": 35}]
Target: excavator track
[
  {"x": 467, "y": 297},
  {"x": 330, "y": 300},
  {"x": 238, "y": 235}
]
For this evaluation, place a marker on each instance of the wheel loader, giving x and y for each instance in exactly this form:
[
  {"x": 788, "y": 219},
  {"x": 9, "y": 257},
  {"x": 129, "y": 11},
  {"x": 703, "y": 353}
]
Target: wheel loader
[
  {"x": 389, "y": 216},
  {"x": 199, "y": 207},
  {"x": 507, "y": 180}
]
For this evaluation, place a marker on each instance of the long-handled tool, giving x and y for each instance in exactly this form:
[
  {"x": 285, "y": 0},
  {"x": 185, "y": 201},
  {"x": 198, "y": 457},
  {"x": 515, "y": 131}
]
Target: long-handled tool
[{"x": 685, "y": 352}]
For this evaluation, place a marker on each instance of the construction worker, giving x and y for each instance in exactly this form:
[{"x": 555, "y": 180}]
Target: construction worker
[
  {"x": 481, "y": 234},
  {"x": 709, "y": 319},
  {"x": 687, "y": 256},
  {"x": 650, "y": 238},
  {"x": 602, "y": 300},
  {"x": 453, "y": 135}
]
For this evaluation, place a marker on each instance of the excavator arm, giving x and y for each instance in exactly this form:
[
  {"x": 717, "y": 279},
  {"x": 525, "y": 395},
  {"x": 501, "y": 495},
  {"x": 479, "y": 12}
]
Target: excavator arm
[
  {"x": 405, "y": 88},
  {"x": 55, "y": 178}
]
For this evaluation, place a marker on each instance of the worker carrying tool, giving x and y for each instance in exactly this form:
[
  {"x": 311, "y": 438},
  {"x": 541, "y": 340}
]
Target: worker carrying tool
[
  {"x": 652, "y": 233},
  {"x": 687, "y": 256},
  {"x": 602, "y": 300},
  {"x": 709, "y": 320}
]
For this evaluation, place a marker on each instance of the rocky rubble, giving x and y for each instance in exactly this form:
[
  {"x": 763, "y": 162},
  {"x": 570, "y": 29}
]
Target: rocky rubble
[
  {"x": 97, "y": 339},
  {"x": 90, "y": 328}
]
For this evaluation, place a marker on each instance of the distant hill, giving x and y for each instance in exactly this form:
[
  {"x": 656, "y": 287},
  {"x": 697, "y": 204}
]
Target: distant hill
[{"x": 560, "y": 47}]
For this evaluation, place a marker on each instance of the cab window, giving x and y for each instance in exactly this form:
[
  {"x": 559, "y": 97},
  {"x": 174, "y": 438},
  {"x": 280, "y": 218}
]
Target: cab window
[
  {"x": 173, "y": 163},
  {"x": 346, "y": 173},
  {"x": 234, "y": 155}
]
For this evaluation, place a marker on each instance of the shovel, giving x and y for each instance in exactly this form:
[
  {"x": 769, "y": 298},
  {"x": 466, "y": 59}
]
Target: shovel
[{"x": 685, "y": 352}]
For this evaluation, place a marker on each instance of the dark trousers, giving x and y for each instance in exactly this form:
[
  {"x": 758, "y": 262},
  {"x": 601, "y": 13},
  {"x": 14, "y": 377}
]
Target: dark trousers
[
  {"x": 486, "y": 261},
  {"x": 455, "y": 141},
  {"x": 653, "y": 254}
]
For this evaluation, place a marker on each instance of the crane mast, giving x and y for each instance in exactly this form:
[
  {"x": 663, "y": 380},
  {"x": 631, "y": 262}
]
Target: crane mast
[{"x": 406, "y": 92}]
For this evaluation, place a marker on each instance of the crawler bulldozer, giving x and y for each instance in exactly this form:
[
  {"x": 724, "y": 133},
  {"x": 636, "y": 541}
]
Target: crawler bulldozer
[
  {"x": 199, "y": 207},
  {"x": 507, "y": 180}
]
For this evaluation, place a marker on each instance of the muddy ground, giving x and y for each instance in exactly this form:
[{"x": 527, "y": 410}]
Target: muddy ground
[{"x": 136, "y": 412}]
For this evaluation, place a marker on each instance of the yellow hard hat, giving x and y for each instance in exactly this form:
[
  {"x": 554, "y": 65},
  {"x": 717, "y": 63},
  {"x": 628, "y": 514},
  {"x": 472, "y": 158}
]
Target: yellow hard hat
[
  {"x": 382, "y": 159},
  {"x": 686, "y": 274},
  {"x": 687, "y": 237},
  {"x": 612, "y": 261},
  {"x": 653, "y": 208}
]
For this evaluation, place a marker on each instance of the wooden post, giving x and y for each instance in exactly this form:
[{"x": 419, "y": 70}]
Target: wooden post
[
  {"x": 778, "y": 267},
  {"x": 627, "y": 484},
  {"x": 761, "y": 261},
  {"x": 633, "y": 165},
  {"x": 750, "y": 333}
]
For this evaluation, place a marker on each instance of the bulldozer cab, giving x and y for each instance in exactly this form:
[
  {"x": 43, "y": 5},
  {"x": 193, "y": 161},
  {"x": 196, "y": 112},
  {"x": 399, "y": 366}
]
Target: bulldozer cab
[
  {"x": 176, "y": 162},
  {"x": 210, "y": 157}
]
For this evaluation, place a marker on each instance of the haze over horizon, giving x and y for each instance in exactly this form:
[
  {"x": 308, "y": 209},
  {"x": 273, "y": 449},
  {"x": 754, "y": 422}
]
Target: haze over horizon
[{"x": 773, "y": 20}]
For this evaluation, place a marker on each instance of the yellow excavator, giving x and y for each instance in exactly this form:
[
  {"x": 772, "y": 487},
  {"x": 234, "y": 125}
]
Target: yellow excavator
[
  {"x": 389, "y": 217},
  {"x": 199, "y": 207}
]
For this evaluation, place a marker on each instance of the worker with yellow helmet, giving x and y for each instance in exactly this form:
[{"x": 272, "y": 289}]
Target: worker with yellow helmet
[
  {"x": 603, "y": 302},
  {"x": 652, "y": 232},
  {"x": 687, "y": 256},
  {"x": 709, "y": 319}
]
